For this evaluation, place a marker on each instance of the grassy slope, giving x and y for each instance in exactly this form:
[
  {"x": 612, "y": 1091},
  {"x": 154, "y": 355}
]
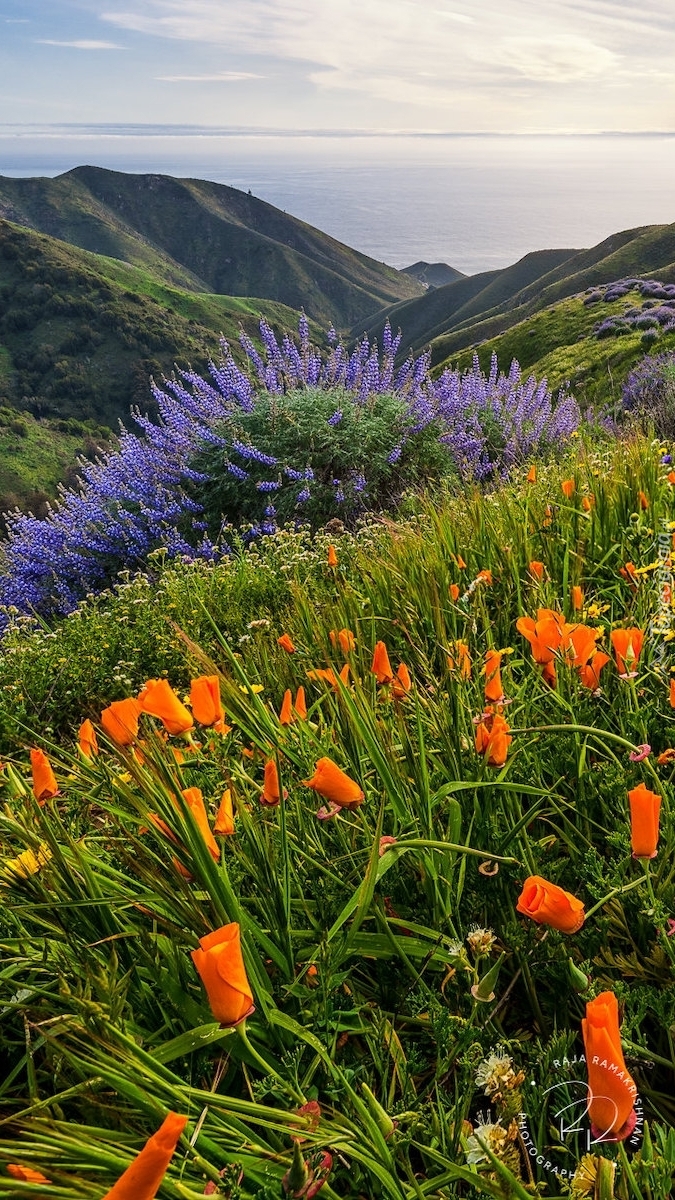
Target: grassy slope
[
  {"x": 206, "y": 237},
  {"x": 643, "y": 252},
  {"x": 557, "y": 343},
  {"x": 35, "y": 456},
  {"x": 428, "y": 316},
  {"x": 82, "y": 334}
]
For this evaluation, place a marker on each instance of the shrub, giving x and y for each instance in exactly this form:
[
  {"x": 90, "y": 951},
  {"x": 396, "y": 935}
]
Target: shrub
[
  {"x": 649, "y": 392},
  {"x": 149, "y": 492}
]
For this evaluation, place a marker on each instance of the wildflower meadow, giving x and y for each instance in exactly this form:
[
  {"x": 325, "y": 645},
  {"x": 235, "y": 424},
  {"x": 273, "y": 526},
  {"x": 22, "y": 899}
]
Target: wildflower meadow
[{"x": 342, "y": 864}]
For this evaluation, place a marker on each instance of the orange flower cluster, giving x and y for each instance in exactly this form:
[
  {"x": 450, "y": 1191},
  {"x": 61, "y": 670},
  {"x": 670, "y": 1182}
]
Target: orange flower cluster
[
  {"x": 493, "y": 738},
  {"x": 551, "y": 637},
  {"x": 158, "y": 699},
  {"x": 384, "y": 673}
]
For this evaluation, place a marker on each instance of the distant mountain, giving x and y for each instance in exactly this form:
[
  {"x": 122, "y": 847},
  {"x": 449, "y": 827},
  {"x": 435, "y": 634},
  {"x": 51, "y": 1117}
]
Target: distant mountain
[
  {"x": 80, "y": 334},
  {"x": 480, "y": 308},
  {"x": 433, "y": 275},
  {"x": 465, "y": 300},
  {"x": 206, "y": 237}
]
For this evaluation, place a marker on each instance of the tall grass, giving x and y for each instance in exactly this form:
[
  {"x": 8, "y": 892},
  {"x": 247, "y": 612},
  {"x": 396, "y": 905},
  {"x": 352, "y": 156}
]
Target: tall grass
[{"x": 390, "y": 980}]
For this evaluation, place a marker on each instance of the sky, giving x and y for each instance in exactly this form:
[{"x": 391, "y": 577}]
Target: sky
[{"x": 507, "y": 66}]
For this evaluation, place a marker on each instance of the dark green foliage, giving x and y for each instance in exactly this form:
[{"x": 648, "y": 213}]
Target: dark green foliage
[
  {"x": 78, "y": 344},
  {"x": 295, "y": 429},
  {"x": 204, "y": 237}
]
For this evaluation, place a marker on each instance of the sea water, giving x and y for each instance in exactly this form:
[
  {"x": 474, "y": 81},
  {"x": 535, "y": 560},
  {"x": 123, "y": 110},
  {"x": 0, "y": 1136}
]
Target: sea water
[{"x": 476, "y": 202}]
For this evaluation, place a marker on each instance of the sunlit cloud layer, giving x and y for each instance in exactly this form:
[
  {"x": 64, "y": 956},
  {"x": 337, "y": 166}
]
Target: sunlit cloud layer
[{"x": 467, "y": 65}]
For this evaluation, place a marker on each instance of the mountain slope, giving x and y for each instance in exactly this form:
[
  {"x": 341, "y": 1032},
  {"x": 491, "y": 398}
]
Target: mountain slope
[
  {"x": 446, "y": 307},
  {"x": 645, "y": 251},
  {"x": 206, "y": 237},
  {"x": 80, "y": 334}
]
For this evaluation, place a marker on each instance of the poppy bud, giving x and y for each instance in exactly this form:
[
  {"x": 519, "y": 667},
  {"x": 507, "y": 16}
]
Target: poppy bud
[{"x": 549, "y": 904}]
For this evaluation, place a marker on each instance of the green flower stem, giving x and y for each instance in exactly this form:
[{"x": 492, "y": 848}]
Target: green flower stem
[
  {"x": 610, "y": 896},
  {"x": 600, "y": 734},
  {"x": 666, "y": 941},
  {"x": 266, "y": 1067}
]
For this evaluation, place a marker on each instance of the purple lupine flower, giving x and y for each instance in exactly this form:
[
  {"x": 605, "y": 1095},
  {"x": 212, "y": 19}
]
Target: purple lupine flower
[{"x": 336, "y": 417}]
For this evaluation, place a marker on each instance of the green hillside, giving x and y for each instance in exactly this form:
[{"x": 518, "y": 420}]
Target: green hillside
[
  {"x": 558, "y": 343},
  {"x": 80, "y": 335},
  {"x": 36, "y": 456},
  {"x": 205, "y": 237},
  {"x": 466, "y": 299}
]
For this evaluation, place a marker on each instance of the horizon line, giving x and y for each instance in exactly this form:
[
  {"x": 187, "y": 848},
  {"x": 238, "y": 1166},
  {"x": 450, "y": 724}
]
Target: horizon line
[{"x": 140, "y": 129}]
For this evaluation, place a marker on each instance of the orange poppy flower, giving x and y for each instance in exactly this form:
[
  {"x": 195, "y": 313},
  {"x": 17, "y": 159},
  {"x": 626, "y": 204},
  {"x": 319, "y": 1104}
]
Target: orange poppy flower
[
  {"x": 334, "y": 785},
  {"x": 493, "y": 739},
  {"x": 537, "y": 569},
  {"x": 493, "y": 679},
  {"x": 195, "y": 802},
  {"x": 629, "y": 573},
  {"x": 158, "y": 699},
  {"x": 548, "y": 516},
  {"x": 484, "y": 576},
  {"x": 271, "y": 793},
  {"x": 220, "y": 964},
  {"x": 545, "y": 635},
  {"x": 643, "y": 500},
  {"x": 460, "y": 562},
  {"x": 577, "y": 597},
  {"x": 286, "y": 714},
  {"x": 120, "y": 720},
  {"x": 549, "y": 674},
  {"x": 532, "y": 474},
  {"x": 454, "y": 592},
  {"x": 345, "y": 638},
  {"x": 627, "y": 645},
  {"x": 87, "y": 740},
  {"x": 579, "y": 641},
  {"x": 548, "y": 904},
  {"x": 611, "y": 1091},
  {"x": 568, "y": 488},
  {"x": 587, "y": 503},
  {"x": 205, "y": 701},
  {"x": 26, "y": 1174},
  {"x": 589, "y": 674},
  {"x": 286, "y": 643},
  {"x": 332, "y": 556},
  {"x": 142, "y": 1178},
  {"x": 330, "y": 677},
  {"x": 644, "y": 821},
  {"x": 381, "y": 667},
  {"x": 402, "y": 683},
  {"x": 224, "y": 822},
  {"x": 672, "y": 692},
  {"x": 300, "y": 705},
  {"x": 671, "y": 477},
  {"x": 462, "y": 662},
  {"x": 44, "y": 779}
]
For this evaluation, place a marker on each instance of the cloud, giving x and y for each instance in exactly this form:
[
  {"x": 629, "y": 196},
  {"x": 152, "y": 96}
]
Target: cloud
[
  {"x": 563, "y": 59},
  {"x": 450, "y": 59},
  {"x": 80, "y": 44},
  {"x": 221, "y": 77}
]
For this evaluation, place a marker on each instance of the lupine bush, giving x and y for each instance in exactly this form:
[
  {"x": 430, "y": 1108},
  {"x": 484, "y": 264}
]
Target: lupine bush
[
  {"x": 653, "y": 318},
  {"x": 649, "y": 392},
  {"x": 422, "y": 940},
  {"x": 399, "y": 428}
]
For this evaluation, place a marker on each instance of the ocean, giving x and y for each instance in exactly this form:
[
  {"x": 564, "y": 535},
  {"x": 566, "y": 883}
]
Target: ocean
[{"x": 475, "y": 202}]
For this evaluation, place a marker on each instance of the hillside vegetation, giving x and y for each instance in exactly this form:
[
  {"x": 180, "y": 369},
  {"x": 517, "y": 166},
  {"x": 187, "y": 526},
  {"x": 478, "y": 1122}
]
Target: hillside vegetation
[
  {"x": 205, "y": 237},
  {"x": 481, "y": 307},
  {"x": 80, "y": 334},
  {"x": 559, "y": 344}
]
